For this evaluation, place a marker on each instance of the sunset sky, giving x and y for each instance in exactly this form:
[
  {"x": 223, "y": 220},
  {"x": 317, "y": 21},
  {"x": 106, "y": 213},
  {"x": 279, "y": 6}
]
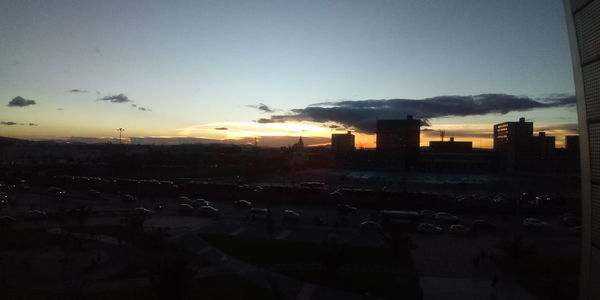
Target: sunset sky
[{"x": 235, "y": 70}]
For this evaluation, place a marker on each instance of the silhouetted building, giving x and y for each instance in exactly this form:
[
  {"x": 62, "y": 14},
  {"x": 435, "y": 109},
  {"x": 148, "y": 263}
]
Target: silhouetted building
[
  {"x": 342, "y": 142},
  {"x": 544, "y": 145},
  {"x": 572, "y": 143},
  {"x": 450, "y": 146},
  {"x": 398, "y": 141},
  {"x": 583, "y": 21},
  {"x": 513, "y": 142}
]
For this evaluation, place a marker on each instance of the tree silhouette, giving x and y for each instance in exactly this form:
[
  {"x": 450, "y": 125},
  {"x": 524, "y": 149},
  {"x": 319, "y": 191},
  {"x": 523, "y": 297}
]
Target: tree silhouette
[
  {"x": 171, "y": 278},
  {"x": 516, "y": 248}
]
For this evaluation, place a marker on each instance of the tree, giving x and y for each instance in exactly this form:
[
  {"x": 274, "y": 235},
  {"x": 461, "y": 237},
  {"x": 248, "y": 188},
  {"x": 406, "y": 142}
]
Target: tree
[
  {"x": 82, "y": 214},
  {"x": 516, "y": 248},
  {"x": 172, "y": 278}
]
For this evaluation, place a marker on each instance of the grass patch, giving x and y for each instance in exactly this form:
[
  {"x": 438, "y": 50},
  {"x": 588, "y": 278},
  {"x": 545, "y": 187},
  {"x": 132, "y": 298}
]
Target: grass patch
[{"x": 362, "y": 269}]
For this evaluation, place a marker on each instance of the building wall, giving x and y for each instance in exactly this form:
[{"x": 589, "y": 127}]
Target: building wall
[
  {"x": 342, "y": 142},
  {"x": 583, "y": 24}
]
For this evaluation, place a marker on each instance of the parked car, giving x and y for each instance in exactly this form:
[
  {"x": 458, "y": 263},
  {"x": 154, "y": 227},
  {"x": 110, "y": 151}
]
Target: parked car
[
  {"x": 444, "y": 216},
  {"x": 575, "y": 230},
  {"x": 7, "y": 220},
  {"x": 37, "y": 214},
  {"x": 185, "y": 209},
  {"x": 199, "y": 202},
  {"x": 93, "y": 194},
  {"x": 459, "y": 229},
  {"x": 184, "y": 200},
  {"x": 127, "y": 198},
  {"x": 370, "y": 225},
  {"x": 143, "y": 211},
  {"x": 570, "y": 220},
  {"x": 426, "y": 213},
  {"x": 56, "y": 191},
  {"x": 291, "y": 217},
  {"x": 534, "y": 223},
  {"x": 346, "y": 208},
  {"x": 482, "y": 225},
  {"x": 498, "y": 199},
  {"x": 243, "y": 203},
  {"x": 208, "y": 211},
  {"x": 428, "y": 228},
  {"x": 260, "y": 214}
]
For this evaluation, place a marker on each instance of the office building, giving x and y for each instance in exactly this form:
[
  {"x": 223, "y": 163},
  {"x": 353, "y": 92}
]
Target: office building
[
  {"x": 544, "y": 145},
  {"x": 451, "y": 146},
  {"x": 342, "y": 142},
  {"x": 583, "y": 23},
  {"x": 572, "y": 143},
  {"x": 398, "y": 135},
  {"x": 398, "y": 142},
  {"x": 513, "y": 143}
]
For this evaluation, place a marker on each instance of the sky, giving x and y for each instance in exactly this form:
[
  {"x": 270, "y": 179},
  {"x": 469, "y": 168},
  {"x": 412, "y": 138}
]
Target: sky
[{"x": 233, "y": 71}]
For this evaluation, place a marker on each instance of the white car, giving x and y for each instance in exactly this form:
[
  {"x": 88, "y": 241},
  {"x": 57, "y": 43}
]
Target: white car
[
  {"x": 534, "y": 223},
  {"x": 428, "y": 228},
  {"x": 444, "y": 216},
  {"x": 185, "y": 209}
]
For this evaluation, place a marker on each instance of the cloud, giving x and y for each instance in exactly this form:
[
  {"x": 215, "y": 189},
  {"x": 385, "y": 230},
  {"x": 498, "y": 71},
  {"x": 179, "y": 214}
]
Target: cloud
[
  {"x": 77, "y": 91},
  {"x": 221, "y": 128},
  {"x": 19, "y": 101},
  {"x": 10, "y": 123},
  {"x": 60, "y": 108},
  {"x": 263, "y": 108},
  {"x": 142, "y": 108},
  {"x": 133, "y": 105},
  {"x": 120, "y": 98},
  {"x": 266, "y": 121},
  {"x": 362, "y": 114}
]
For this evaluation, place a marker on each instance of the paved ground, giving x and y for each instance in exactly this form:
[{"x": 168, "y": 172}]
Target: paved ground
[{"x": 437, "y": 256}]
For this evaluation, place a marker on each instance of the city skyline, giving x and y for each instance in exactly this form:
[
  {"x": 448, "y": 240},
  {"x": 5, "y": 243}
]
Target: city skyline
[{"x": 234, "y": 72}]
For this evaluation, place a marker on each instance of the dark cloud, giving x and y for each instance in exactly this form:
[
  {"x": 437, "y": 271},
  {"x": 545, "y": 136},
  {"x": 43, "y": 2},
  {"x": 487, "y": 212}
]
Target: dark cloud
[
  {"x": 142, "y": 108},
  {"x": 265, "y": 121},
  {"x": 98, "y": 51},
  {"x": 221, "y": 128},
  {"x": 362, "y": 114},
  {"x": 133, "y": 105},
  {"x": 77, "y": 91},
  {"x": 59, "y": 108},
  {"x": 120, "y": 98},
  {"x": 9, "y": 123},
  {"x": 263, "y": 108},
  {"x": 19, "y": 101}
]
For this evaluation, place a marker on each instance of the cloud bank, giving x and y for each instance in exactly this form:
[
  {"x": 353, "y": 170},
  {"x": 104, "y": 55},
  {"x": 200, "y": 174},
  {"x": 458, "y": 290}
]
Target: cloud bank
[
  {"x": 362, "y": 114},
  {"x": 19, "y": 101}
]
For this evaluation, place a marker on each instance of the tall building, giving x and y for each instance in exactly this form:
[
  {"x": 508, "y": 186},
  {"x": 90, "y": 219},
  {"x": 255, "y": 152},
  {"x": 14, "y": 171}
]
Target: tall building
[
  {"x": 513, "y": 142},
  {"x": 583, "y": 23},
  {"x": 398, "y": 135},
  {"x": 544, "y": 145},
  {"x": 398, "y": 142},
  {"x": 572, "y": 143},
  {"x": 342, "y": 142}
]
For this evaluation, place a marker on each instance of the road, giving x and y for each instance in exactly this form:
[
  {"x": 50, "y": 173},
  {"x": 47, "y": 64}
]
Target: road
[{"x": 441, "y": 254}]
